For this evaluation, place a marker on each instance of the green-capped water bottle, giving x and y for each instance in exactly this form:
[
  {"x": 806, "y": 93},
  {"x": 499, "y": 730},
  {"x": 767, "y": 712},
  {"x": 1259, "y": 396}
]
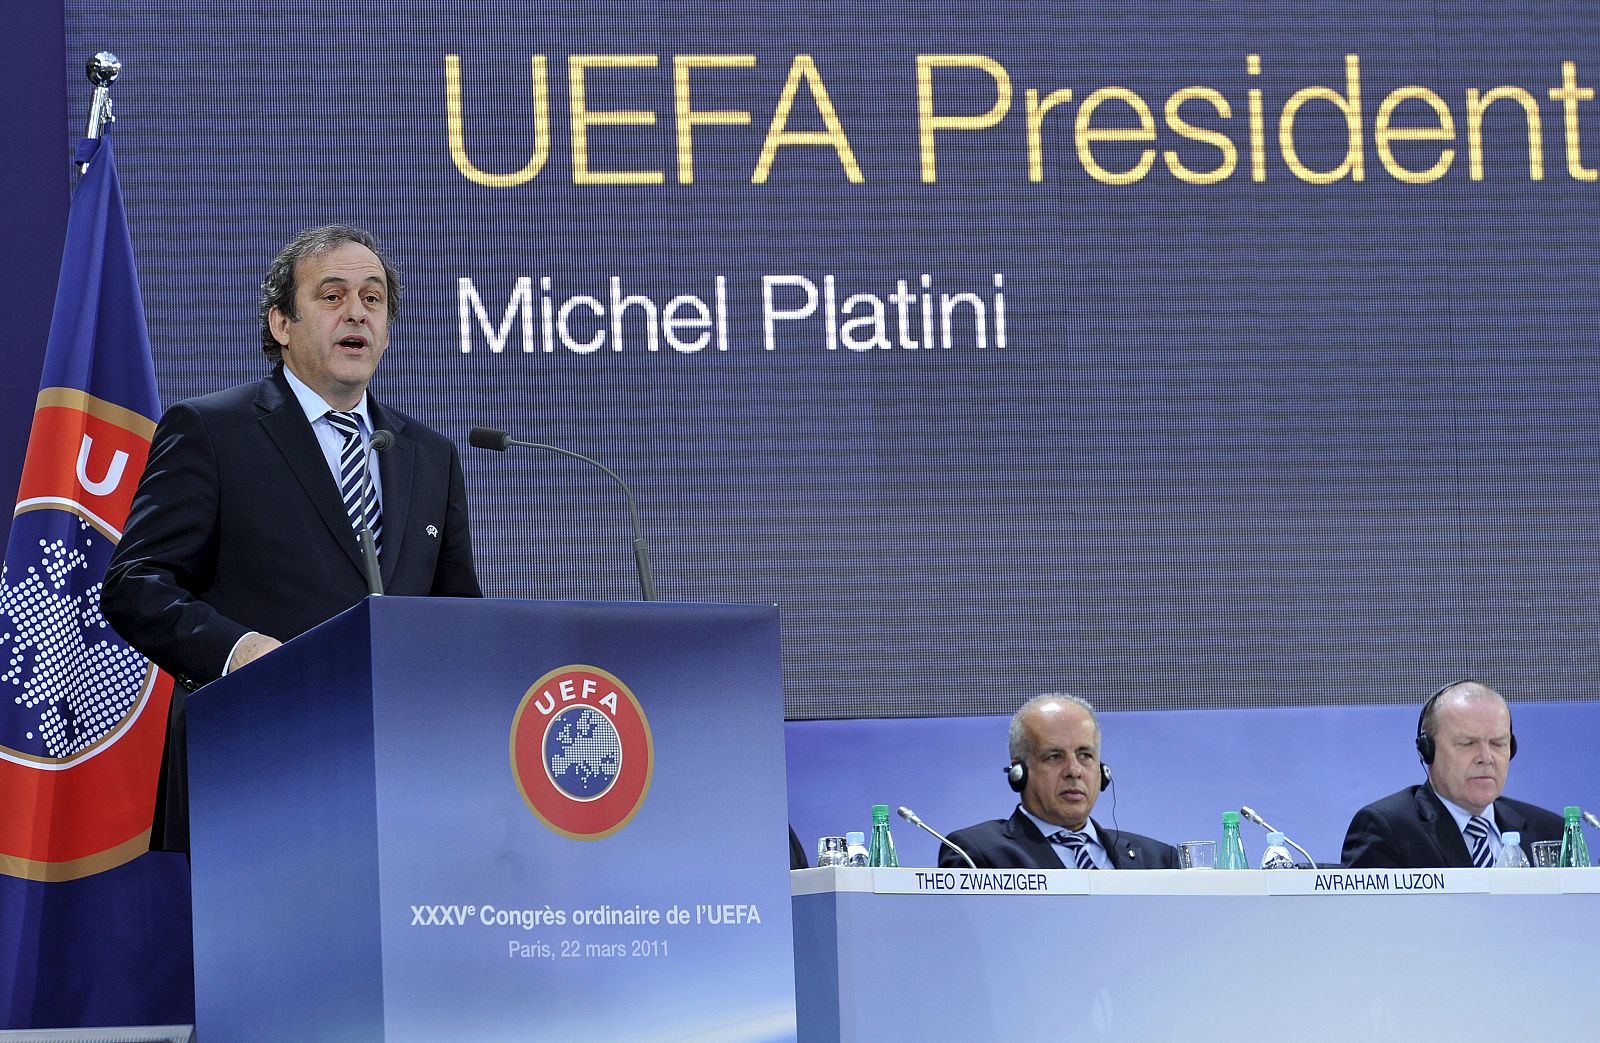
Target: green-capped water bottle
[
  {"x": 1574, "y": 849},
  {"x": 881, "y": 853},
  {"x": 1232, "y": 854}
]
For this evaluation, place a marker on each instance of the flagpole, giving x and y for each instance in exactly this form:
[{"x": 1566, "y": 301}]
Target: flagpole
[{"x": 102, "y": 70}]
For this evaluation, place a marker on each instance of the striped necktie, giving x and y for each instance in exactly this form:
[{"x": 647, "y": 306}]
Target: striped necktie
[
  {"x": 355, "y": 486},
  {"x": 1477, "y": 831},
  {"x": 1078, "y": 844}
]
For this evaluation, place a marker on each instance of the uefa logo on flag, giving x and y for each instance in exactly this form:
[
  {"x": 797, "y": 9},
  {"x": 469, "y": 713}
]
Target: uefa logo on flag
[
  {"x": 581, "y": 752},
  {"x": 81, "y": 712}
]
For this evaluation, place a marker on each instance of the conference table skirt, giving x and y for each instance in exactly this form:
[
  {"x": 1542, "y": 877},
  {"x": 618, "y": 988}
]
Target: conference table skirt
[{"x": 937, "y": 954}]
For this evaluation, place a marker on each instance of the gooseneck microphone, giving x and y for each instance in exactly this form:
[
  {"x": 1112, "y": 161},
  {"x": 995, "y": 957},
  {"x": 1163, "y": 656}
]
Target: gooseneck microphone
[
  {"x": 1588, "y": 816},
  {"x": 1250, "y": 814},
  {"x": 499, "y": 441},
  {"x": 911, "y": 817},
  {"x": 379, "y": 441}
]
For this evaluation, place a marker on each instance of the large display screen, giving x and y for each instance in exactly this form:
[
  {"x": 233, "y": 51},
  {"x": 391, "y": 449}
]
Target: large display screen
[{"x": 1173, "y": 354}]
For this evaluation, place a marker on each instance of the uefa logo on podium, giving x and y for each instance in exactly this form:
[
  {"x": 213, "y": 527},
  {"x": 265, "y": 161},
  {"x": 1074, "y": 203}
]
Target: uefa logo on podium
[{"x": 581, "y": 752}]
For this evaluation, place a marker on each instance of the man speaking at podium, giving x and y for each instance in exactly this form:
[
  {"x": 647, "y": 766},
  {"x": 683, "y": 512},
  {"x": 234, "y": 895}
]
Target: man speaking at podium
[
  {"x": 243, "y": 532},
  {"x": 1056, "y": 766}
]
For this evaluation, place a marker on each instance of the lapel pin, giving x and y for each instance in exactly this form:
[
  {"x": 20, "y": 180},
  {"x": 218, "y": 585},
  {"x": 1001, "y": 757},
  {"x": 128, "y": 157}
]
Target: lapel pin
[{"x": 433, "y": 530}]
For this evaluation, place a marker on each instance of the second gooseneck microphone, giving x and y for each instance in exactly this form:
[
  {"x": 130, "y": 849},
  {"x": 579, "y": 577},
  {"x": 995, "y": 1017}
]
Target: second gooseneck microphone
[
  {"x": 1250, "y": 814},
  {"x": 911, "y": 817},
  {"x": 499, "y": 441}
]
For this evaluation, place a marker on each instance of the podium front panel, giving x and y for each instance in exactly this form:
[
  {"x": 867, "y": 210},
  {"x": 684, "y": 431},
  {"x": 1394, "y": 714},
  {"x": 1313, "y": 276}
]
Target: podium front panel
[{"x": 578, "y": 822}]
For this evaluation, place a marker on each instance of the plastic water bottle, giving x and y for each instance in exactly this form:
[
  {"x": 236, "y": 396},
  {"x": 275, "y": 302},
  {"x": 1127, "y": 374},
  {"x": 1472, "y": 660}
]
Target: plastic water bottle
[
  {"x": 1276, "y": 856},
  {"x": 1232, "y": 854},
  {"x": 1574, "y": 849},
  {"x": 881, "y": 853},
  {"x": 1511, "y": 856},
  {"x": 855, "y": 849}
]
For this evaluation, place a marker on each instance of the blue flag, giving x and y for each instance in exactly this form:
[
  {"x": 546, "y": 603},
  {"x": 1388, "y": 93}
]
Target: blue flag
[{"x": 83, "y": 917}]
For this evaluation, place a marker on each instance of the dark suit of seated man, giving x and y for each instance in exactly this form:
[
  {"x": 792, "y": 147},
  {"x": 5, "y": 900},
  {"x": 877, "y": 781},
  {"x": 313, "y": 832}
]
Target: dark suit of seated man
[
  {"x": 1055, "y": 765},
  {"x": 1456, "y": 819}
]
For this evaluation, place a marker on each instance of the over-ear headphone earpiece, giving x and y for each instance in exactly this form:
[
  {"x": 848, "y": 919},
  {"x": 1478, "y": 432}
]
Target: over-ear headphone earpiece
[
  {"x": 1017, "y": 776},
  {"x": 1426, "y": 749}
]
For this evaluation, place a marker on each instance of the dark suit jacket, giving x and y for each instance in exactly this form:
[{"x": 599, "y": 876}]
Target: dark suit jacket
[
  {"x": 797, "y": 852},
  {"x": 1016, "y": 843},
  {"x": 1412, "y": 829},
  {"x": 237, "y": 525}
]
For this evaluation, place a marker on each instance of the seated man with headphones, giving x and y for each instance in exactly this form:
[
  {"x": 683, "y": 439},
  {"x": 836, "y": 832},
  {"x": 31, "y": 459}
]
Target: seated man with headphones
[
  {"x": 1457, "y": 817},
  {"x": 1055, "y": 765}
]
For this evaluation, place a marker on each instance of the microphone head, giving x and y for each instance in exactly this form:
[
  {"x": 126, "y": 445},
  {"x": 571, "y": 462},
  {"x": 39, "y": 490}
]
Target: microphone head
[
  {"x": 1250, "y": 814},
  {"x": 382, "y": 439},
  {"x": 488, "y": 438},
  {"x": 907, "y": 814}
]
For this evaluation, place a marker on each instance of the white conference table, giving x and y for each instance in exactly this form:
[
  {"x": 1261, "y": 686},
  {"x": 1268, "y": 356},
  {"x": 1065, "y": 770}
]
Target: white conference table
[{"x": 1023, "y": 955}]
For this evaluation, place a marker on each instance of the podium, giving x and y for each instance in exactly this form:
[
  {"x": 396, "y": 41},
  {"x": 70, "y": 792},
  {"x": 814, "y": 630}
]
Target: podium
[{"x": 438, "y": 819}]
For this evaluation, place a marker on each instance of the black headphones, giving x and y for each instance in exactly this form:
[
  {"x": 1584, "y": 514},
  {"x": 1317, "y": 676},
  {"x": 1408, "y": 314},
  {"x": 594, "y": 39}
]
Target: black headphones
[
  {"x": 1425, "y": 745},
  {"x": 1017, "y": 776}
]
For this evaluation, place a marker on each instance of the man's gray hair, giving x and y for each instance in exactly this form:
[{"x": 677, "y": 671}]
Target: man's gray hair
[
  {"x": 1020, "y": 743},
  {"x": 278, "y": 288}
]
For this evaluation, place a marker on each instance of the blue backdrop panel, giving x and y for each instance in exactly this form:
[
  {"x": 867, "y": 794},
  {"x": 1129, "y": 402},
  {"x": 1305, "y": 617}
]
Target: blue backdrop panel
[
  {"x": 1278, "y": 399},
  {"x": 369, "y": 865},
  {"x": 1306, "y": 770},
  {"x": 35, "y": 172}
]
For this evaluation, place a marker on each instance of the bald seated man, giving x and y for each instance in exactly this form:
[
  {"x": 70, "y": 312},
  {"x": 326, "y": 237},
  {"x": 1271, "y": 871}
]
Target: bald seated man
[{"x": 1457, "y": 818}]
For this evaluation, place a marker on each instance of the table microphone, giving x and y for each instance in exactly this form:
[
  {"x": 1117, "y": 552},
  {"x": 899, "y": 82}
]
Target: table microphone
[
  {"x": 1588, "y": 816},
  {"x": 379, "y": 441},
  {"x": 911, "y": 817},
  {"x": 1250, "y": 814},
  {"x": 499, "y": 441}
]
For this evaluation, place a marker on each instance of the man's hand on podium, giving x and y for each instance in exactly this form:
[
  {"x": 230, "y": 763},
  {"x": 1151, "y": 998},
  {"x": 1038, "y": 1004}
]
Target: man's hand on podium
[{"x": 250, "y": 648}]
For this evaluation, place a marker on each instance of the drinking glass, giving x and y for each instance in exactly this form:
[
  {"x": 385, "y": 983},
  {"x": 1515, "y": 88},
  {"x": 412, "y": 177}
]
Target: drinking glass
[
  {"x": 832, "y": 851},
  {"x": 1197, "y": 854},
  {"x": 1546, "y": 854}
]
